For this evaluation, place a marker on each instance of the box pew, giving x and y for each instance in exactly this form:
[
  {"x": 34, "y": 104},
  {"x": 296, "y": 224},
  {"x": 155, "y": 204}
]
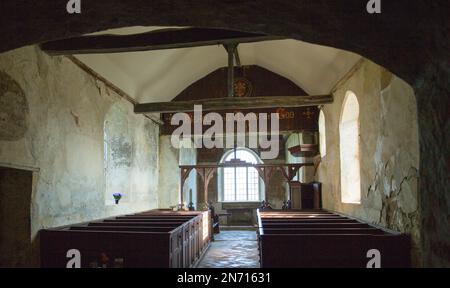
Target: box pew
[
  {"x": 193, "y": 239},
  {"x": 168, "y": 221},
  {"x": 312, "y": 220},
  {"x": 176, "y": 254},
  {"x": 301, "y": 217},
  {"x": 162, "y": 241},
  {"x": 271, "y": 215},
  {"x": 145, "y": 224},
  {"x": 168, "y": 213},
  {"x": 292, "y": 239},
  {"x": 160, "y": 218},
  {"x": 192, "y": 231},
  {"x": 153, "y": 214},
  {"x": 315, "y": 225},
  {"x": 356, "y": 231},
  {"x": 193, "y": 242},
  {"x": 131, "y": 246},
  {"x": 123, "y": 228},
  {"x": 274, "y": 213}
]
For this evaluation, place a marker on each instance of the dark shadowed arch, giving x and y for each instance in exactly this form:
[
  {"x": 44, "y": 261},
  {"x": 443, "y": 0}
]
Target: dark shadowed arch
[{"x": 410, "y": 38}]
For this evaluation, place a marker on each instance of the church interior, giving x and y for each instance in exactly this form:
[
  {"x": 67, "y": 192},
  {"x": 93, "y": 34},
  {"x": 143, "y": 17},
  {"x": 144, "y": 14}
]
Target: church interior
[{"x": 351, "y": 170}]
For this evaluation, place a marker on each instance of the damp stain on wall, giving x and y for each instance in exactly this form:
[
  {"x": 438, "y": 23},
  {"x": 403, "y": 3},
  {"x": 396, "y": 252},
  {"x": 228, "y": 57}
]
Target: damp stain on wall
[{"x": 14, "y": 109}]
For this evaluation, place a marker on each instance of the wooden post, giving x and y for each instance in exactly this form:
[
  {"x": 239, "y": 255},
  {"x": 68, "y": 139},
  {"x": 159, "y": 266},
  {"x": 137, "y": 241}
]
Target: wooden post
[
  {"x": 265, "y": 172},
  {"x": 184, "y": 173},
  {"x": 206, "y": 174},
  {"x": 180, "y": 197},
  {"x": 231, "y": 48}
]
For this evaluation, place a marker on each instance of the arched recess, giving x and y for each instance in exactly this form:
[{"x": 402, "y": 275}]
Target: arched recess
[{"x": 424, "y": 64}]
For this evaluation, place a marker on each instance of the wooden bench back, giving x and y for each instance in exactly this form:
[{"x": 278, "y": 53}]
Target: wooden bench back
[{"x": 352, "y": 231}]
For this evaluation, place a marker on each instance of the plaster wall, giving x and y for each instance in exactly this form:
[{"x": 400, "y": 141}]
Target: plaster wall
[
  {"x": 52, "y": 116},
  {"x": 389, "y": 152},
  {"x": 169, "y": 174}
]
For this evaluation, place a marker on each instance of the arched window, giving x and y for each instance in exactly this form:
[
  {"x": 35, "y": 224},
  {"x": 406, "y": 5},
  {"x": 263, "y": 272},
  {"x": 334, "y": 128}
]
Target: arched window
[
  {"x": 240, "y": 184},
  {"x": 349, "y": 150},
  {"x": 322, "y": 135}
]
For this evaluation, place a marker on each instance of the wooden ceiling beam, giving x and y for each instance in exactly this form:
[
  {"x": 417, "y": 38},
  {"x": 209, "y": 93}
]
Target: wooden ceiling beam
[
  {"x": 155, "y": 40},
  {"x": 233, "y": 103}
]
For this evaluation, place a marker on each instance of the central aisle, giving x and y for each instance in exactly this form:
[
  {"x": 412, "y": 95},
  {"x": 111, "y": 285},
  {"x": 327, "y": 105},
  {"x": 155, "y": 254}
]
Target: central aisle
[{"x": 232, "y": 249}]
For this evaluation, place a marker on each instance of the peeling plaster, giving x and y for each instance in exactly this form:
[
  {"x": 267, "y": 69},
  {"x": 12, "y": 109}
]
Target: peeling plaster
[{"x": 389, "y": 152}]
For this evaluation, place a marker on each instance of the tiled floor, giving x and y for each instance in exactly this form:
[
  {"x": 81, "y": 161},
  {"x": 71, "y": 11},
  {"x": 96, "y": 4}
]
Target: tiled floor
[{"x": 232, "y": 249}]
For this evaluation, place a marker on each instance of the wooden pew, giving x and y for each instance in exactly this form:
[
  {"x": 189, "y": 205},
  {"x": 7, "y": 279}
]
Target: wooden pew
[
  {"x": 192, "y": 231},
  {"x": 160, "y": 240},
  {"x": 131, "y": 246},
  {"x": 161, "y": 218},
  {"x": 176, "y": 252},
  {"x": 136, "y": 224},
  {"x": 143, "y": 223},
  {"x": 194, "y": 234},
  {"x": 315, "y": 225},
  {"x": 309, "y": 231},
  {"x": 280, "y": 221},
  {"x": 193, "y": 239},
  {"x": 293, "y": 239},
  {"x": 123, "y": 228}
]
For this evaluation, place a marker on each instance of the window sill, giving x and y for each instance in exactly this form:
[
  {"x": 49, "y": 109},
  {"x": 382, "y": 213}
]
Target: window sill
[
  {"x": 240, "y": 205},
  {"x": 240, "y": 201},
  {"x": 351, "y": 203}
]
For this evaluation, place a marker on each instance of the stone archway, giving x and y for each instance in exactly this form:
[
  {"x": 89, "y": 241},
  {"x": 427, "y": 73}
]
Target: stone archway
[{"x": 408, "y": 39}]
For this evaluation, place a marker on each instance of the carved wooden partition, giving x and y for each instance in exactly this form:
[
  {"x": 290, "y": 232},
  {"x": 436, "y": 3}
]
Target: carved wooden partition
[{"x": 265, "y": 171}]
